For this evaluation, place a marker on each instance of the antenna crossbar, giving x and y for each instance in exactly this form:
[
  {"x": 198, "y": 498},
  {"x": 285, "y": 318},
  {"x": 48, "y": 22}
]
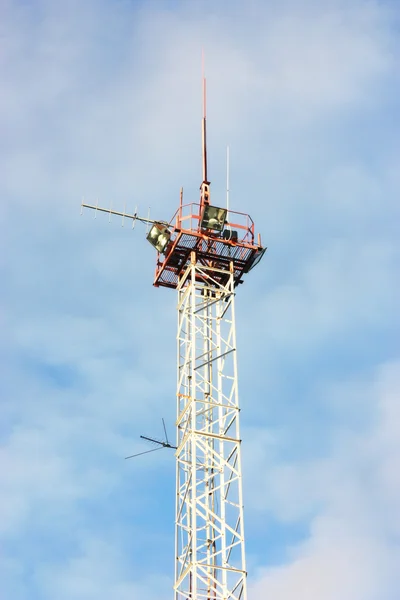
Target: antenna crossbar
[
  {"x": 165, "y": 444},
  {"x": 134, "y": 217}
]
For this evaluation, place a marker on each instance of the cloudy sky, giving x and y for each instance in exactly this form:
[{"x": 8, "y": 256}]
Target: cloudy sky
[{"x": 101, "y": 99}]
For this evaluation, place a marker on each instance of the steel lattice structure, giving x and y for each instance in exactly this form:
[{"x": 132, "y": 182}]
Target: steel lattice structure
[
  {"x": 203, "y": 253},
  {"x": 210, "y": 557}
]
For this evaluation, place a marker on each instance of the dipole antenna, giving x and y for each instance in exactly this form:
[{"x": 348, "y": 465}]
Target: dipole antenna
[{"x": 161, "y": 444}]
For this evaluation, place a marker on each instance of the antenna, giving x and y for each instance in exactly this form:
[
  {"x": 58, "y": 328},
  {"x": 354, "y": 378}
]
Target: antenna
[
  {"x": 161, "y": 444},
  {"x": 110, "y": 211},
  {"x": 205, "y": 185},
  {"x": 204, "y": 132},
  {"x": 165, "y": 431},
  {"x": 141, "y": 453},
  {"x": 227, "y": 178}
]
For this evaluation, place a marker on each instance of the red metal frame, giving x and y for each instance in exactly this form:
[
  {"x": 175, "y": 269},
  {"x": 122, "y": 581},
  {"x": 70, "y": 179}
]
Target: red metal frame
[{"x": 211, "y": 247}]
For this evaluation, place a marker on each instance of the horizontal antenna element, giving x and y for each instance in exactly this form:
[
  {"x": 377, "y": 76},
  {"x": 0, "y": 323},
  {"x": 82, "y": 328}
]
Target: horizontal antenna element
[{"x": 134, "y": 217}]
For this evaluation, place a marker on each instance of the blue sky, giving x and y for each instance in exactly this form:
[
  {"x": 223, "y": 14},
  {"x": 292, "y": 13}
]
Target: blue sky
[{"x": 102, "y": 100}]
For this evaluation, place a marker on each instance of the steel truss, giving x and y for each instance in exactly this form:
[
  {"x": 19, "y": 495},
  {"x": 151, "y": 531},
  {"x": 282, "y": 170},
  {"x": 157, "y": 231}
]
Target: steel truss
[{"x": 210, "y": 553}]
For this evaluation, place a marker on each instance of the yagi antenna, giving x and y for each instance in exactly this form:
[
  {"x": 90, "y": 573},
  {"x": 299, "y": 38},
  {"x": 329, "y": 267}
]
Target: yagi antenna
[
  {"x": 110, "y": 211},
  {"x": 161, "y": 444}
]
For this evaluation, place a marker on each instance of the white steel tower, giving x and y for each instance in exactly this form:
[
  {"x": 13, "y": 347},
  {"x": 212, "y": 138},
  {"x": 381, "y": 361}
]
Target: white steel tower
[
  {"x": 203, "y": 253},
  {"x": 210, "y": 557}
]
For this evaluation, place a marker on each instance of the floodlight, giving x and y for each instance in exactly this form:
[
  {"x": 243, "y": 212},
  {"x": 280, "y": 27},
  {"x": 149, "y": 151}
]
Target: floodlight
[
  {"x": 213, "y": 218},
  {"x": 159, "y": 236}
]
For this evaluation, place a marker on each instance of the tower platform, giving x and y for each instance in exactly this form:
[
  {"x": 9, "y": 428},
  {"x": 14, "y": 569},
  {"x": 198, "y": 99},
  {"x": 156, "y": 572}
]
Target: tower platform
[{"x": 233, "y": 244}]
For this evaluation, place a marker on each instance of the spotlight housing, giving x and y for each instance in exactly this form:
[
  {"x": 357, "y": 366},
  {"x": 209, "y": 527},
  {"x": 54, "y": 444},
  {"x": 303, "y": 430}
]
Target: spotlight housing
[
  {"x": 159, "y": 236},
  {"x": 213, "y": 217}
]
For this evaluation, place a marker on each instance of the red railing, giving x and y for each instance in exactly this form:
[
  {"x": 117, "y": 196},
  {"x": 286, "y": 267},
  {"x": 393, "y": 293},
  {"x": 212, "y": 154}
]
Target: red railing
[{"x": 187, "y": 217}]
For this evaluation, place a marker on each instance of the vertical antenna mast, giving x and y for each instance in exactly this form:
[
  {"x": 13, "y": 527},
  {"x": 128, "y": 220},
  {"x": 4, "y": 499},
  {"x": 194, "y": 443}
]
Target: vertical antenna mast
[
  {"x": 205, "y": 185},
  {"x": 204, "y": 131},
  {"x": 227, "y": 178}
]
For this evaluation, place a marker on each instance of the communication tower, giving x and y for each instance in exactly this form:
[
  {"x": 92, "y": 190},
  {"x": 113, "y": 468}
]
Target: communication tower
[{"x": 203, "y": 253}]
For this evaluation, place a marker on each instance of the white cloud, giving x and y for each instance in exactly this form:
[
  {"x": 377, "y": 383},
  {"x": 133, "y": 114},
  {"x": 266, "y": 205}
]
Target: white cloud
[
  {"x": 98, "y": 572},
  {"x": 347, "y": 285},
  {"x": 102, "y": 99},
  {"x": 353, "y": 497}
]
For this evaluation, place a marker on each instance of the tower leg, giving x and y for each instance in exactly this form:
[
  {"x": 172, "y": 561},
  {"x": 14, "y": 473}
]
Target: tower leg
[{"x": 210, "y": 553}]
